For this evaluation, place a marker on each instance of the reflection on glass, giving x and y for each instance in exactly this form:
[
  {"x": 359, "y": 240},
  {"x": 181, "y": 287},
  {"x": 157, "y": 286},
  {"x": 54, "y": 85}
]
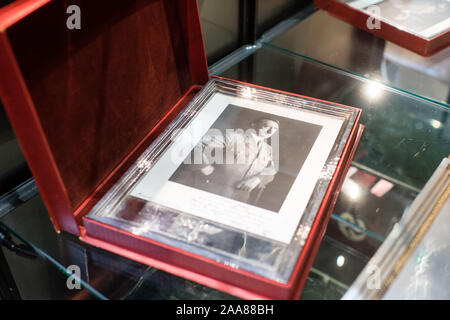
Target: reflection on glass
[
  {"x": 373, "y": 90},
  {"x": 321, "y": 37},
  {"x": 340, "y": 261}
]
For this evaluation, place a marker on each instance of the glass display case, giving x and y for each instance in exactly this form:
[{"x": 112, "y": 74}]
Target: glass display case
[
  {"x": 407, "y": 133},
  {"x": 323, "y": 38},
  {"x": 420, "y": 26}
]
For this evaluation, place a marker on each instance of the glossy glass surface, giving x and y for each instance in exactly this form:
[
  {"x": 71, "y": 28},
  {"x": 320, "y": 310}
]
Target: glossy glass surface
[
  {"x": 406, "y": 136},
  {"x": 331, "y": 41},
  {"x": 270, "y": 12},
  {"x": 220, "y": 27}
]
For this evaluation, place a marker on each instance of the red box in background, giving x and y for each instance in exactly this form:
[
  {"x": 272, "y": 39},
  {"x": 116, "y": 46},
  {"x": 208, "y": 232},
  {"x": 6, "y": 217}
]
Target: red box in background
[
  {"x": 388, "y": 31},
  {"x": 86, "y": 103}
]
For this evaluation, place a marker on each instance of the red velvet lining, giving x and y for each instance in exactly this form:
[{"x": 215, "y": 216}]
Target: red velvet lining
[
  {"x": 120, "y": 170},
  {"x": 100, "y": 90}
]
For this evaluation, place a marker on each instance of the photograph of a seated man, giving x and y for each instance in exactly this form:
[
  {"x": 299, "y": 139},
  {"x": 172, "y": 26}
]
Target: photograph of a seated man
[{"x": 244, "y": 157}]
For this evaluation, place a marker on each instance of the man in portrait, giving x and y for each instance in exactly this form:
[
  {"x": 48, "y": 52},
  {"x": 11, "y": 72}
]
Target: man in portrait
[{"x": 234, "y": 163}]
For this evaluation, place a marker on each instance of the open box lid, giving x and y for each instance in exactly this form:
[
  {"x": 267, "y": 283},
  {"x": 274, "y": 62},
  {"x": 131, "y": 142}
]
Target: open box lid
[{"x": 81, "y": 100}]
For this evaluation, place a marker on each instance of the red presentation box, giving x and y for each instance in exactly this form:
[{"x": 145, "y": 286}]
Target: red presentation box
[
  {"x": 420, "y": 26},
  {"x": 95, "y": 109}
]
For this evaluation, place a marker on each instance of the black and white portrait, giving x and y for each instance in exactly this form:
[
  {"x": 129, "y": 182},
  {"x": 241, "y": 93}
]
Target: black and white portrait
[
  {"x": 249, "y": 156},
  {"x": 247, "y": 164}
]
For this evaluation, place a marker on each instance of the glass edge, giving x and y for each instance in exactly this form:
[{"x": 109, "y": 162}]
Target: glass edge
[{"x": 359, "y": 76}]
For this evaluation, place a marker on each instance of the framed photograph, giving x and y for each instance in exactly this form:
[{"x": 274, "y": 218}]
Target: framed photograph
[
  {"x": 238, "y": 177},
  {"x": 220, "y": 182}
]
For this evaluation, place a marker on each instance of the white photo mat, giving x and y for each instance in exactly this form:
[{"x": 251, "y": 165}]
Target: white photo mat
[{"x": 278, "y": 226}]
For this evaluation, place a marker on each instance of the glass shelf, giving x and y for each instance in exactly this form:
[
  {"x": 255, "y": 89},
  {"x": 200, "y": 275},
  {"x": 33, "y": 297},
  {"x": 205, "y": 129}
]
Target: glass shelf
[
  {"x": 405, "y": 138},
  {"x": 326, "y": 39}
]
